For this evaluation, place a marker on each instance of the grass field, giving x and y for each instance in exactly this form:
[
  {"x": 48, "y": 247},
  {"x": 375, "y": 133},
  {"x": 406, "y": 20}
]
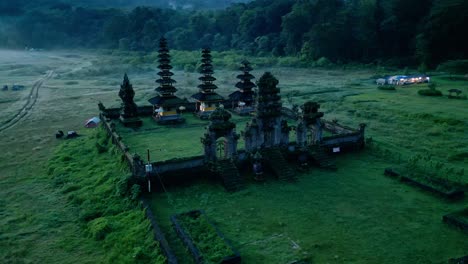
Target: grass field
[
  {"x": 354, "y": 215},
  {"x": 160, "y": 140}
]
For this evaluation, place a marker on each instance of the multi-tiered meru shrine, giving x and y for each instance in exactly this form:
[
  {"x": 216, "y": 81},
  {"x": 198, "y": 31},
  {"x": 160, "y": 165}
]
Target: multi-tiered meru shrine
[
  {"x": 166, "y": 105},
  {"x": 129, "y": 112},
  {"x": 206, "y": 99},
  {"x": 243, "y": 99}
]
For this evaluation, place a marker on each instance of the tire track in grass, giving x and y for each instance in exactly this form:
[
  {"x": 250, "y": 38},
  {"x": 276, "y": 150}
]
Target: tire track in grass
[{"x": 32, "y": 98}]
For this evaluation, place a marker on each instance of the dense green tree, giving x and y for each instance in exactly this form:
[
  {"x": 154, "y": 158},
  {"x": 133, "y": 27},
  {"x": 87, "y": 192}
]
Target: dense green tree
[
  {"x": 252, "y": 23},
  {"x": 221, "y": 42},
  {"x": 199, "y": 24},
  {"x": 444, "y": 36},
  {"x": 115, "y": 28},
  {"x": 401, "y": 32},
  {"x": 296, "y": 23},
  {"x": 181, "y": 38}
]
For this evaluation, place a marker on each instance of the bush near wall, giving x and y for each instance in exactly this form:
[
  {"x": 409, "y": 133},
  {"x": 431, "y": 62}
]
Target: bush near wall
[{"x": 105, "y": 198}]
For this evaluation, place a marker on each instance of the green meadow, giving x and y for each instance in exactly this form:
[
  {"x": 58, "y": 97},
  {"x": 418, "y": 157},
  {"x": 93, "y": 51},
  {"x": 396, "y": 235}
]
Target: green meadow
[{"x": 63, "y": 201}]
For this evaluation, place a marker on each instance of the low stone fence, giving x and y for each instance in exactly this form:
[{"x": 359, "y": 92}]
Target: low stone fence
[
  {"x": 188, "y": 163},
  {"x": 336, "y": 128},
  {"x": 178, "y": 164},
  {"x": 342, "y": 139},
  {"x": 114, "y": 113},
  {"x": 158, "y": 233},
  {"x": 138, "y": 170},
  {"x": 147, "y": 110},
  {"x": 135, "y": 163}
]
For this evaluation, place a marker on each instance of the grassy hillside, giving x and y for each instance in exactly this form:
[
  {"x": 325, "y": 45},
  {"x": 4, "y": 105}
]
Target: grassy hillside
[
  {"x": 96, "y": 184},
  {"x": 39, "y": 222},
  {"x": 56, "y": 201}
]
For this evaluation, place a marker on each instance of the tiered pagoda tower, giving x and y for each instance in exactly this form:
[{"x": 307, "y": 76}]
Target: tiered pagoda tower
[
  {"x": 206, "y": 98},
  {"x": 129, "y": 112},
  {"x": 165, "y": 104},
  {"x": 267, "y": 129},
  {"x": 243, "y": 99}
]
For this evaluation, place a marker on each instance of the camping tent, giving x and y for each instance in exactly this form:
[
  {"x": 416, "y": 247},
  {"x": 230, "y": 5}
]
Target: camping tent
[{"x": 92, "y": 122}]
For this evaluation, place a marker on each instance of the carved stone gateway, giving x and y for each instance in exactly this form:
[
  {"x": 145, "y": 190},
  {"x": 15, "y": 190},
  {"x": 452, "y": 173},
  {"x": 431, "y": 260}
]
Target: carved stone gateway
[
  {"x": 309, "y": 128},
  {"x": 267, "y": 129},
  {"x": 220, "y": 127}
]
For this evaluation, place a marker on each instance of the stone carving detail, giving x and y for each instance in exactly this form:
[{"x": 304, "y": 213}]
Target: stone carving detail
[
  {"x": 219, "y": 127},
  {"x": 267, "y": 129},
  {"x": 309, "y": 123}
]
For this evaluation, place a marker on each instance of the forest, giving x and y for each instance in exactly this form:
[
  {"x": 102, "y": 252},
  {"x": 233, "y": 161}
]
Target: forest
[{"x": 395, "y": 32}]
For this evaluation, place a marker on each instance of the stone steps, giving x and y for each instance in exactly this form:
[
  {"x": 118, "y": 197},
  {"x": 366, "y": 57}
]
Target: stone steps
[
  {"x": 323, "y": 159},
  {"x": 229, "y": 173},
  {"x": 279, "y": 165}
]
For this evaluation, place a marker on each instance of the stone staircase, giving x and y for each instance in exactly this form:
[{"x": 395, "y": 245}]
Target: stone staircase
[
  {"x": 229, "y": 173},
  {"x": 280, "y": 167},
  {"x": 323, "y": 159}
]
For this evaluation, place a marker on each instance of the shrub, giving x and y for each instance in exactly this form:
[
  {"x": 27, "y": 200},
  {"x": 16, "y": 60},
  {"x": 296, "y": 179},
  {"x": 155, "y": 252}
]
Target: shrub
[
  {"x": 430, "y": 92},
  {"x": 99, "y": 228},
  {"x": 387, "y": 87},
  {"x": 140, "y": 255},
  {"x": 123, "y": 185},
  {"x": 70, "y": 188},
  {"x": 100, "y": 148},
  {"x": 462, "y": 97},
  {"x": 89, "y": 210},
  {"x": 135, "y": 191},
  {"x": 454, "y": 66},
  {"x": 66, "y": 158},
  {"x": 288, "y": 62},
  {"x": 90, "y": 182},
  {"x": 189, "y": 68},
  {"x": 461, "y": 156},
  {"x": 323, "y": 62},
  {"x": 102, "y": 140}
]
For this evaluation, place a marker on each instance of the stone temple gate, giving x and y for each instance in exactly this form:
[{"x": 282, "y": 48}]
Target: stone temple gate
[
  {"x": 309, "y": 128},
  {"x": 220, "y": 127},
  {"x": 267, "y": 129},
  {"x": 267, "y": 136}
]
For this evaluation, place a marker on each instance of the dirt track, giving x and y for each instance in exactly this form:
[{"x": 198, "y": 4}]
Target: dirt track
[{"x": 32, "y": 98}]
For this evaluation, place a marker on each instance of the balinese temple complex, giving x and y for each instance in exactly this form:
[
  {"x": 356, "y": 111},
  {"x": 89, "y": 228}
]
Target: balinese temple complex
[
  {"x": 206, "y": 98},
  {"x": 243, "y": 99},
  {"x": 166, "y": 104}
]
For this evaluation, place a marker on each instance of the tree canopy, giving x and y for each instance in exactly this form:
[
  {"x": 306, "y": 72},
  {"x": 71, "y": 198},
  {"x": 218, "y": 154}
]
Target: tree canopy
[{"x": 404, "y": 32}]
